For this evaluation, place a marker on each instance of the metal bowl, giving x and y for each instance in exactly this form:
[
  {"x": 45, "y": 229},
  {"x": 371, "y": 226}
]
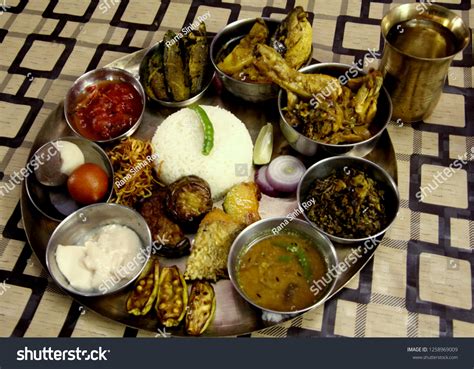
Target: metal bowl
[
  {"x": 310, "y": 147},
  {"x": 325, "y": 167},
  {"x": 79, "y": 225},
  {"x": 48, "y": 199},
  {"x": 93, "y": 77},
  {"x": 225, "y": 41},
  {"x": 262, "y": 229},
  {"x": 208, "y": 77}
]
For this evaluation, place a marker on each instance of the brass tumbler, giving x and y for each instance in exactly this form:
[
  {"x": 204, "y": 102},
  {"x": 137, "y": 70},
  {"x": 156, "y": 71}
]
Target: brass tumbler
[{"x": 421, "y": 40}]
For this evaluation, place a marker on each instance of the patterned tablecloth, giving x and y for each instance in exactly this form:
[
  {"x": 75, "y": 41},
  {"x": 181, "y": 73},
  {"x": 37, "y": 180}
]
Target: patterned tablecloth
[{"x": 420, "y": 283}]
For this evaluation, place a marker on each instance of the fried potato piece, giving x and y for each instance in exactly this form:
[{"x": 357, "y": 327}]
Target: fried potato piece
[
  {"x": 208, "y": 259},
  {"x": 241, "y": 203}
]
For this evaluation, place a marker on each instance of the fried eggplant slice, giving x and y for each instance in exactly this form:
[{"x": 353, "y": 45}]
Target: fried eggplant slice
[
  {"x": 241, "y": 203},
  {"x": 172, "y": 297},
  {"x": 208, "y": 259},
  {"x": 188, "y": 200},
  {"x": 168, "y": 237},
  {"x": 154, "y": 76},
  {"x": 197, "y": 52},
  {"x": 175, "y": 73},
  {"x": 141, "y": 299},
  {"x": 201, "y": 308}
]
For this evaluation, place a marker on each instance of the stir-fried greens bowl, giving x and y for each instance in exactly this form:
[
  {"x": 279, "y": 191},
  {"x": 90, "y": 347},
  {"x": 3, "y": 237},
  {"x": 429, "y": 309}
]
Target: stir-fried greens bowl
[
  {"x": 354, "y": 199},
  {"x": 321, "y": 105},
  {"x": 291, "y": 37},
  {"x": 223, "y": 43}
]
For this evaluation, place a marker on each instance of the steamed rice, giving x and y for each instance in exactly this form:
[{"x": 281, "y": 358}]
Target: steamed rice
[{"x": 178, "y": 144}]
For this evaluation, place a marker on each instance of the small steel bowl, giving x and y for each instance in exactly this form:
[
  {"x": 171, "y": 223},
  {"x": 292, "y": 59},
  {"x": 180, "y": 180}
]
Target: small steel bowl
[
  {"x": 325, "y": 167},
  {"x": 48, "y": 199},
  {"x": 262, "y": 229},
  {"x": 208, "y": 77},
  {"x": 78, "y": 226},
  {"x": 95, "y": 76},
  {"x": 225, "y": 41},
  {"x": 310, "y": 147}
]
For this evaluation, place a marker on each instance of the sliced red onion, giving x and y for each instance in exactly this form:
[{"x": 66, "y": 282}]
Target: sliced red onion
[
  {"x": 262, "y": 183},
  {"x": 284, "y": 173}
]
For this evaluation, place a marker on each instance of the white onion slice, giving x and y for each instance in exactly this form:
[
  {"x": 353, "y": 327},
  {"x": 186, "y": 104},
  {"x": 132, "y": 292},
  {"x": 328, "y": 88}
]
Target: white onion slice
[
  {"x": 284, "y": 173},
  {"x": 262, "y": 182}
]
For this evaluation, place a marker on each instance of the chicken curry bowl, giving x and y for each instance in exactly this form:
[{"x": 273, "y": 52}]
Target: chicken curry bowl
[{"x": 292, "y": 39}]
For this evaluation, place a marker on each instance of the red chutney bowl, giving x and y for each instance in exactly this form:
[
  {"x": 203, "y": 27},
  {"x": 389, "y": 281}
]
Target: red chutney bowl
[{"x": 105, "y": 105}]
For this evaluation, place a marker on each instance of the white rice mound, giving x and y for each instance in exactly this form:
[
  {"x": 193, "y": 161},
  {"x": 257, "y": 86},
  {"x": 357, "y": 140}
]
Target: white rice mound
[{"x": 178, "y": 143}]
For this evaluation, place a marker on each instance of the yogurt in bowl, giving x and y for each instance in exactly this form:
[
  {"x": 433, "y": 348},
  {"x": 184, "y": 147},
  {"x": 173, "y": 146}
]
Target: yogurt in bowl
[
  {"x": 110, "y": 254},
  {"x": 99, "y": 249}
]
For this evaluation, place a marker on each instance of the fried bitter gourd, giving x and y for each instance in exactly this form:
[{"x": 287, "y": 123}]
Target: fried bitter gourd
[
  {"x": 141, "y": 299},
  {"x": 201, "y": 308},
  {"x": 172, "y": 297}
]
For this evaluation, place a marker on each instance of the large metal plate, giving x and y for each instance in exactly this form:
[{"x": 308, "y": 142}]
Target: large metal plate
[{"x": 234, "y": 316}]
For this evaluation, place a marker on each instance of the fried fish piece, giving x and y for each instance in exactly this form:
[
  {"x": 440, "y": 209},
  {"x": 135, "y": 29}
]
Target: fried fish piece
[
  {"x": 296, "y": 34},
  {"x": 208, "y": 259},
  {"x": 242, "y": 55},
  {"x": 241, "y": 203},
  {"x": 175, "y": 73},
  {"x": 274, "y": 67}
]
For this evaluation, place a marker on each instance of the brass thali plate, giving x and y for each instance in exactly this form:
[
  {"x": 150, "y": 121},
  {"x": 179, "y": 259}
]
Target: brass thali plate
[{"x": 234, "y": 316}]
